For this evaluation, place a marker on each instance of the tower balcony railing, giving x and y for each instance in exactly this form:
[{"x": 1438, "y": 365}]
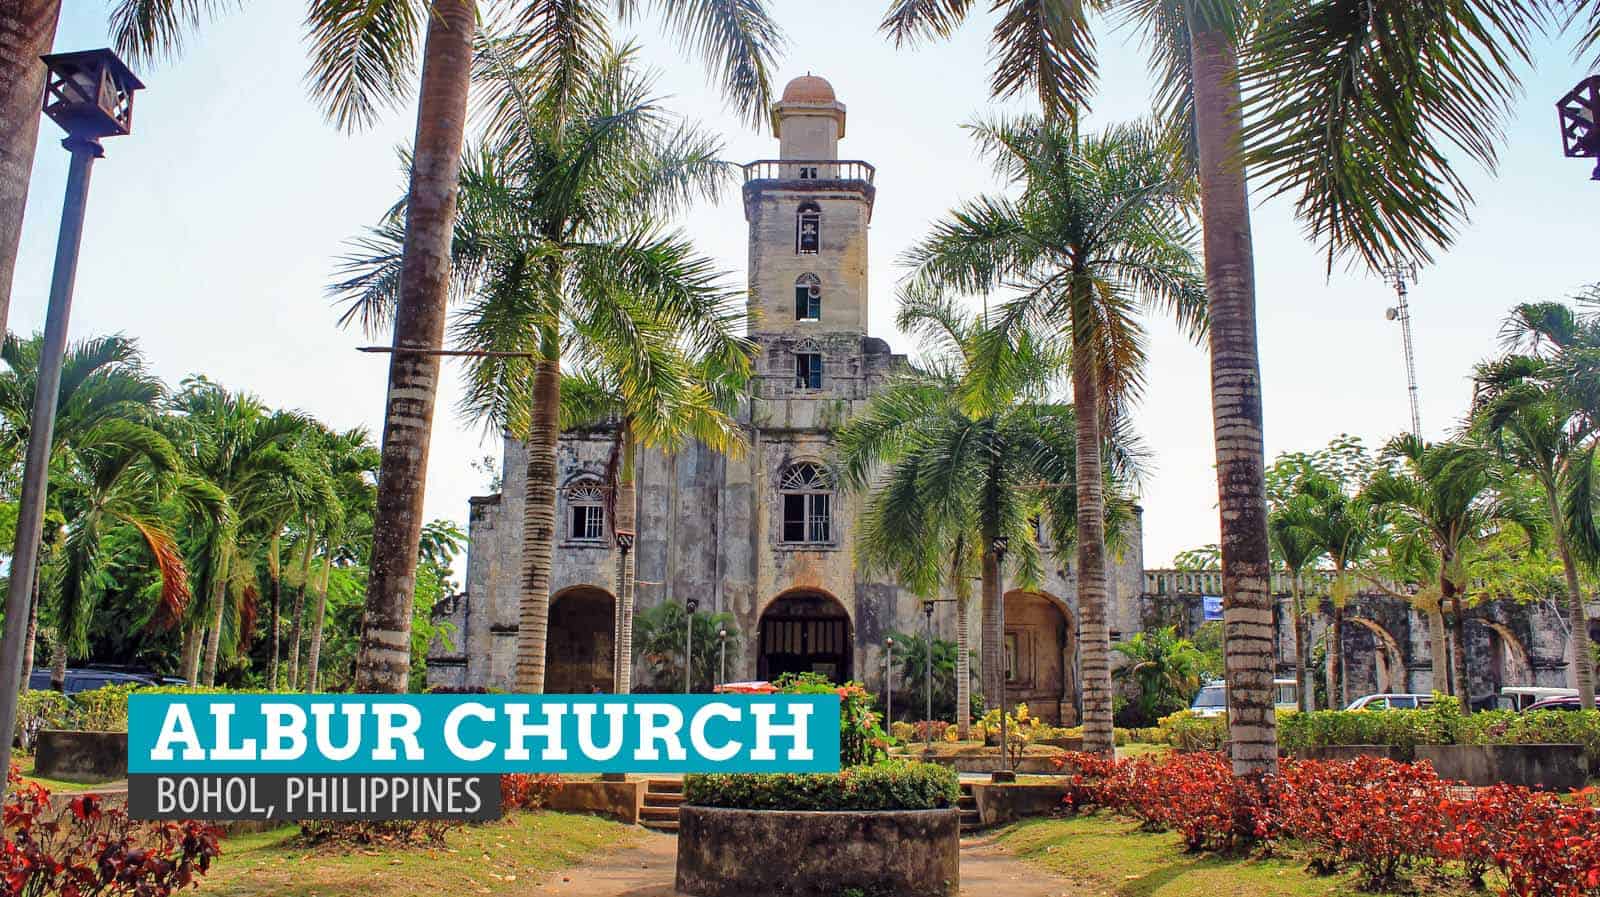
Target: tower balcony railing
[{"x": 809, "y": 169}]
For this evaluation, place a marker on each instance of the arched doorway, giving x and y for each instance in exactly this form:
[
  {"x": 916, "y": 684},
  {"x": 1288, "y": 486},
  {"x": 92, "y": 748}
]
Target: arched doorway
[
  {"x": 1388, "y": 661},
  {"x": 578, "y": 652},
  {"x": 806, "y": 632},
  {"x": 1508, "y": 657},
  {"x": 1040, "y": 656}
]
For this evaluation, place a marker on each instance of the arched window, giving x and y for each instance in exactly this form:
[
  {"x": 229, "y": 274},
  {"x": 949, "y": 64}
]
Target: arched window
[
  {"x": 807, "y": 498},
  {"x": 808, "y": 229},
  {"x": 586, "y": 512},
  {"x": 808, "y": 298},
  {"x": 807, "y": 366}
]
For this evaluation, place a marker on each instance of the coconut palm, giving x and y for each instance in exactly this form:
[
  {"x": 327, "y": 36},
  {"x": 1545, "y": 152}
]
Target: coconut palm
[
  {"x": 961, "y": 457},
  {"x": 559, "y": 254},
  {"x": 1165, "y": 668},
  {"x": 353, "y": 462},
  {"x": 1541, "y": 412},
  {"x": 1096, "y": 236},
  {"x": 1049, "y": 50},
  {"x": 121, "y": 474},
  {"x": 1443, "y": 499},
  {"x": 1346, "y": 528},
  {"x": 678, "y": 398}
]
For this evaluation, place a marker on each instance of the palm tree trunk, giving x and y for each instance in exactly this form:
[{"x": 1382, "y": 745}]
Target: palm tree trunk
[
  {"x": 219, "y": 595},
  {"x": 1302, "y": 679},
  {"x": 27, "y": 30},
  {"x": 1582, "y": 664},
  {"x": 992, "y": 651},
  {"x": 1458, "y": 643},
  {"x": 1338, "y": 692},
  {"x": 1235, "y": 402},
  {"x": 296, "y": 626},
  {"x": 1098, "y": 737},
  {"x": 627, "y": 513},
  {"x": 58, "y": 664},
  {"x": 274, "y": 573},
  {"x": 384, "y": 662},
  {"x": 963, "y": 673},
  {"x": 191, "y": 652},
  {"x": 318, "y": 612},
  {"x": 538, "y": 527},
  {"x": 30, "y": 643}
]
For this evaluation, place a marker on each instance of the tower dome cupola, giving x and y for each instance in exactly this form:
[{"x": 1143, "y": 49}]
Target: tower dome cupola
[{"x": 808, "y": 120}]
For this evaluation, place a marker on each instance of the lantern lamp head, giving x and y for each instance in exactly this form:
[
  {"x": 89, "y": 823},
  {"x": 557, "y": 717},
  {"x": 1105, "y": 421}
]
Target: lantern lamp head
[
  {"x": 1579, "y": 111},
  {"x": 90, "y": 93},
  {"x": 693, "y": 604}
]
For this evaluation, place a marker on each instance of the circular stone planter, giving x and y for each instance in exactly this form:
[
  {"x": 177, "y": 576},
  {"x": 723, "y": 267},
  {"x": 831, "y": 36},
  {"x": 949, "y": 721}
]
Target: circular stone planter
[{"x": 794, "y": 853}]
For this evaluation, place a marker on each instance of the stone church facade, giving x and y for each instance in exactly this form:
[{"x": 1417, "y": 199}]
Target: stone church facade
[{"x": 763, "y": 535}]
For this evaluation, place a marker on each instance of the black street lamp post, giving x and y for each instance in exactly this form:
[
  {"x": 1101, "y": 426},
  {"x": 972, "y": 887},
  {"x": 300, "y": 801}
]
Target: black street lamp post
[
  {"x": 691, "y": 605},
  {"x": 722, "y": 656},
  {"x": 1006, "y": 773},
  {"x": 888, "y": 680},
  {"x": 927, "y": 671},
  {"x": 1579, "y": 110},
  {"x": 90, "y": 95}
]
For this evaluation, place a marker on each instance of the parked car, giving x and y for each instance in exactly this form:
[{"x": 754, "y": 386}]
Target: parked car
[
  {"x": 1565, "y": 702},
  {"x": 1212, "y": 700},
  {"x": 1523, "y": 697},
  {"x": 1391, "y": 702},
  {"x": 87, "y": 680}
]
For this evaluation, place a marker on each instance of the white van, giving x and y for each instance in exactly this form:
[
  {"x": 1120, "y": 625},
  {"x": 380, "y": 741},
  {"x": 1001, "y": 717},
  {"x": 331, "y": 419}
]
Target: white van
[
  {"x": 1212, "y": 700},
  {"x": 1521, "y": 697}
]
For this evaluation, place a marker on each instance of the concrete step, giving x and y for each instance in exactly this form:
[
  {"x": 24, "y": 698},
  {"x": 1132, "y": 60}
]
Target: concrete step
[
  {"x": 663, "y": 786},
  {"x": 661, "y": 818},
  {"x": 663, "y": 800}
]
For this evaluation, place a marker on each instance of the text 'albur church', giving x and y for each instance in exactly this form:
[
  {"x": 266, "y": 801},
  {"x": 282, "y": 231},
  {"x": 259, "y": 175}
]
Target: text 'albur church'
[{"x": 764, "y": 537}]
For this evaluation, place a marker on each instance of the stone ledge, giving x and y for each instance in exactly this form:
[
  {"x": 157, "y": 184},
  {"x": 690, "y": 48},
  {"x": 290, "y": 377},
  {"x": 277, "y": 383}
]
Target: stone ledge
[{"x": 794, "y": 853}]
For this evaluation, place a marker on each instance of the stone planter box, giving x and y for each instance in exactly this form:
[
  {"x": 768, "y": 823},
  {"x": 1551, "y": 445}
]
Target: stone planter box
[
  {"x": 74, "y": 756},
  {"x": 1555, "y": 767},
  {"x": 1352, "y": 751},
  {"x": 1000, "y": 803},
  {"x": 793, "y": 853},
  {"x": 618, "y": 800}
]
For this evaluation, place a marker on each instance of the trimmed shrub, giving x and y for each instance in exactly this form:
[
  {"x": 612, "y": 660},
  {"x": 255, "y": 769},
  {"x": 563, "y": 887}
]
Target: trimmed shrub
[
  {"x": 37, "y": 710},
  {"x": 891, "y": 785},
  {"x": 1186, "y": 731},
  {"x": 1441, "y": 724}
]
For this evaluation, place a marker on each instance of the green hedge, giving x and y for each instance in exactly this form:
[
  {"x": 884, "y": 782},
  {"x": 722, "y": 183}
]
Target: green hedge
[
  {"x": 1441, "y": 724},
  {"x": 890, "y": 785},
  {"x": 102, "y": 710}
]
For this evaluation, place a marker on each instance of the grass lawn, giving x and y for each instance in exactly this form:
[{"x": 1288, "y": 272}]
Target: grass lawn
[
  {"x": 25, "y": 764},
  {"x": 1140, "y": 749},
  {"x": 1111, "y": 858},
  {"x": 506, "y": 857}
]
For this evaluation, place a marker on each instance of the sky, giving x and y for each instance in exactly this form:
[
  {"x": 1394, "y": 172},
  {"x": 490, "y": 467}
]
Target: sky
[{"x": 215, "y": 227}]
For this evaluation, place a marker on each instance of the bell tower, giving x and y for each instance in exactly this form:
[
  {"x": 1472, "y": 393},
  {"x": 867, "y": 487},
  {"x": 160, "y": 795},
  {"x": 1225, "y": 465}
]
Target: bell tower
[{"x": 808, "y": 213}]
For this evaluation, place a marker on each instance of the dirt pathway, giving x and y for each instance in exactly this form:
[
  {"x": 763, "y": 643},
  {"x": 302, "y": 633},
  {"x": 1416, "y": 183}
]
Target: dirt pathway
[{"x": 646, "y": 870}]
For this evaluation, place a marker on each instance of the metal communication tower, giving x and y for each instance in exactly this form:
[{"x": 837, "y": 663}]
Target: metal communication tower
[{"x": 1401, "y": 275}]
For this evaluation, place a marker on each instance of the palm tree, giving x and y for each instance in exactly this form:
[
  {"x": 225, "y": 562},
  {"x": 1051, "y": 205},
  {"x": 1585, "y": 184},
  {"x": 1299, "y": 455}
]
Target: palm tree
[
  {"x": 1049, "y": 50},
  {"x": 559, "y": 254},
  {"x": 1096, "y": 235},
  {"x": 1345, "y": 527},
  {"x": 1443, "y": 499},
  {"x": 244, "y": 450},
  {"x": 364, "y": 58},
  {"x": 677, "y": 398},
  {"x": 963, "y": 454},
  {"x": 30, "y": 29},
  {"x": 1297, "y": 551},
  {"x": 102, "y": 380},
  {"x": 352, "y": 461},
  {"x": 1540, "y": 412},
  {"x": 1165, "y": 668},
  {"x": 121, "y": 474}
]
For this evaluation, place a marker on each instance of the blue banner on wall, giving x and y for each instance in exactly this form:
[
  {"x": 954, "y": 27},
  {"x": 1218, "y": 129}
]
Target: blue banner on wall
[
  {"x": 481, "y": 734},
  {"x": 1213, "y": 606}
]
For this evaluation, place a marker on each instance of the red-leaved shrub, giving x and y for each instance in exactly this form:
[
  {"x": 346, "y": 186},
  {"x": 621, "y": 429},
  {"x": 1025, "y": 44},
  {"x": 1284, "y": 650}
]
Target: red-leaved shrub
[
  {"x": 88, "y": 850},
  {"x": 520, "y": 791}
]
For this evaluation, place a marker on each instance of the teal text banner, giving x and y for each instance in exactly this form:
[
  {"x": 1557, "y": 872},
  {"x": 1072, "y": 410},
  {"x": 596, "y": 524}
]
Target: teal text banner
[{"x": 481, "y": 734}]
